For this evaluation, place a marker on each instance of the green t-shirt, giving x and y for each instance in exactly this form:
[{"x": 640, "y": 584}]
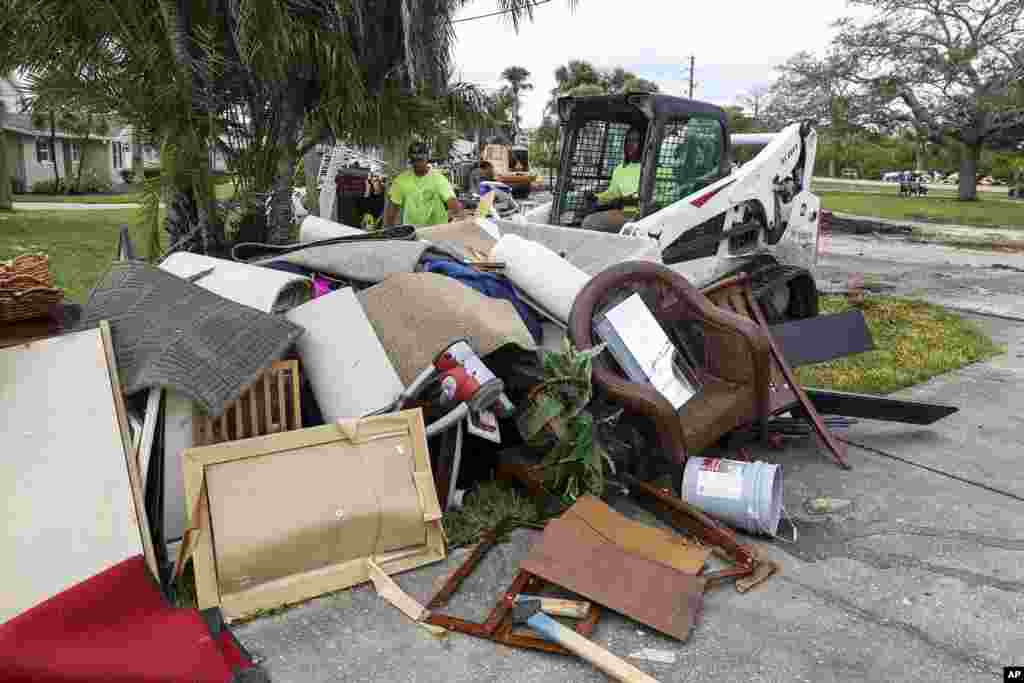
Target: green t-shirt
[
  {"x": 424, "y": 199},
  {"x": 625, "y": 181}
]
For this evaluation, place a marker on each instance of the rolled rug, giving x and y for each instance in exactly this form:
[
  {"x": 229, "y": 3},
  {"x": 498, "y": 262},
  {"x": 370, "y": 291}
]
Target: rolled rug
[
  {"x": 314, "y": 229},
  {"x": 546, "y": 277},
  {"x": 265, "y": 289}
]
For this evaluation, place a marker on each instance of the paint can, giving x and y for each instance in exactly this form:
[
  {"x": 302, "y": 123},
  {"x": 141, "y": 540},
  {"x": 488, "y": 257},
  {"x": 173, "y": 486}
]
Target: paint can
[{"x": 746, "y": 495}]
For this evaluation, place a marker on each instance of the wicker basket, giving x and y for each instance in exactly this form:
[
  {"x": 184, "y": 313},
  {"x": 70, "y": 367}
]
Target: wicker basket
[
  {"x": 35, "y": 266},
  {"x": 26, "y": 289}
]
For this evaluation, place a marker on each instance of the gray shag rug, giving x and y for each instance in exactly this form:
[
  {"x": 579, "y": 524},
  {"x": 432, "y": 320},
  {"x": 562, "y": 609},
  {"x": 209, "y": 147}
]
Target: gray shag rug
[{"x": 168, "y": 332}]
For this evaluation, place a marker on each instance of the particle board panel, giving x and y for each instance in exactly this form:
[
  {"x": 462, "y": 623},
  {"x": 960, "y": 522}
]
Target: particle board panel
[
  {"x": 284, "y": 517},
  {"x": 68, "y": 472}
]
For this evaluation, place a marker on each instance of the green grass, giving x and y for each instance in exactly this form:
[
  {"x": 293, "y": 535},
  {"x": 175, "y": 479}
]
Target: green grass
[
  {"x": 81, "y": 244},
  {"x": 986, "y": 212},
  {"x": 131, "y": 195},
  {"x": 134, "y": 197},
  {"x": 914, "y": 341}
]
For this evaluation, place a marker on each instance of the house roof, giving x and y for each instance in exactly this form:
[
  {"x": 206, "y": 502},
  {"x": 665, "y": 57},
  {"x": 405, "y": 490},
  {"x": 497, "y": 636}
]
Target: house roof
[{"x": 22, "y": 123}]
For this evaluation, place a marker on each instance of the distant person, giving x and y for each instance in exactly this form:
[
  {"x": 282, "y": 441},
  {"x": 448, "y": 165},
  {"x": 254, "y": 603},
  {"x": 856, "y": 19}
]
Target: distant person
[
  {"x": 421, "y": 196},
  {"x": 484, "y": 171},
  {"x": 625, "y": 184}
]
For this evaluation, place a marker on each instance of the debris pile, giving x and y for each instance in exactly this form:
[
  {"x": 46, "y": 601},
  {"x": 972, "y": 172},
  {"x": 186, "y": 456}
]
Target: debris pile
[{"x": 298, "y": 420}]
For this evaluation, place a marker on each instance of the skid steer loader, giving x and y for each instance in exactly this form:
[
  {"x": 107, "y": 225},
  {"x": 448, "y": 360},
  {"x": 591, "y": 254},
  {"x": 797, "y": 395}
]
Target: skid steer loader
[{"x": 709, "y": 218}]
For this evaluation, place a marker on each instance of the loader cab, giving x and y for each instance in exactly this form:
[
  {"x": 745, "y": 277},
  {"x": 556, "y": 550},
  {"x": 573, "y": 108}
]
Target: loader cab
[{"x": 686, "y": 148}]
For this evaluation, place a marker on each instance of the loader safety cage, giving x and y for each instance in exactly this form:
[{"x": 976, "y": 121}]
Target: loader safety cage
[{"x": 686, "y": 148}]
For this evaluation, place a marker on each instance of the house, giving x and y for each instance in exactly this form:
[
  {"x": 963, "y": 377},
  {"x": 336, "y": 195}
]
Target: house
[{"x": 32, "y": 154}]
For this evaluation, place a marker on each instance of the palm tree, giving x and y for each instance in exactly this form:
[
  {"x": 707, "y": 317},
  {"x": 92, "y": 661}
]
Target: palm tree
[
  {"x": 518, "y": 80},
  {"x": 260, "y": 80}
]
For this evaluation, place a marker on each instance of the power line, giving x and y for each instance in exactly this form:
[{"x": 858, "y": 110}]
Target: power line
[{"x": 499, "y": 12}]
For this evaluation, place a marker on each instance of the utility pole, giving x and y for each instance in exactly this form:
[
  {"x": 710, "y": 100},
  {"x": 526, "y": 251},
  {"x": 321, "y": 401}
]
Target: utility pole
[{"x": 691, "y": 76}]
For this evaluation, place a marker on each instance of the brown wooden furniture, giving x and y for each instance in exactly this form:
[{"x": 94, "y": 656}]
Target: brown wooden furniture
[
  {"x": 737, "y": 295},
  {"x": 269, "y": 405},
  {"x": 745, "y": 379},
  {"x": 733, "y": 366}
]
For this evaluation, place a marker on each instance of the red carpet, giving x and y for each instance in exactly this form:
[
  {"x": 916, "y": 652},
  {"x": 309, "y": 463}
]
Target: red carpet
[{"x": 116, "y": 626}]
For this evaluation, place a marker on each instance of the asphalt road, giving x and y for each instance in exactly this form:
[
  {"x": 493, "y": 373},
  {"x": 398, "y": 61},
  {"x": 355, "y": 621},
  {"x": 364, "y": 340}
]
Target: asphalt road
[
  {"x": 970, "y": 280},
  {"x": 920, "y": 579}
]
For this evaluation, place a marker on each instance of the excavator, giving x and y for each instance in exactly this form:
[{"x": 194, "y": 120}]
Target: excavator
[{"x": 710, "y": 218}]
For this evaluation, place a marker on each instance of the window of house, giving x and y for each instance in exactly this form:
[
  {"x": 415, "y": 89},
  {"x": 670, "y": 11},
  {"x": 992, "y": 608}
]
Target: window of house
[
  {"x": 43, "y": 154},
  {"x": 118, "y": 155},
  {"x": 76, "y": 151}
]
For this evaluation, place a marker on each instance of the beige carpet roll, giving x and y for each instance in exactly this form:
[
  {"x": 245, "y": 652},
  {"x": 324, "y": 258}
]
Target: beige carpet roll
[{"x": 416, "y": 315}]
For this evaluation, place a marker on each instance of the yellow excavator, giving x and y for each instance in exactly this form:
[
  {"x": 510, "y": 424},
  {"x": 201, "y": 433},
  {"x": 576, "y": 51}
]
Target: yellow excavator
[{"x": 511, "y": 166}]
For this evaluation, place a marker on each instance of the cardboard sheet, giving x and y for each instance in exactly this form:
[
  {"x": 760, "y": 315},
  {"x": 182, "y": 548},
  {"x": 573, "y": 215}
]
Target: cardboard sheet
[
  {"x": 289, "y": 516},
  {"x": 68, "y": 475},
  {"x": 571, "y": 554},
  {"x": 659, "y": 545}
]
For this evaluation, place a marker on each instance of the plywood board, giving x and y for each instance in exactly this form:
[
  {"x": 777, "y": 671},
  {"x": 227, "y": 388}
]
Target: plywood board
[
  {"x": 285, "y": 517},
  {"x": 68, "y": 473}
]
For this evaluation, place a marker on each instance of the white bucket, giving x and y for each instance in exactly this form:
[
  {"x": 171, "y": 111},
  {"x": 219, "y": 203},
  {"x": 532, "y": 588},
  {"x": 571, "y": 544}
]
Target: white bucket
[{"x": 746, "y": 495}]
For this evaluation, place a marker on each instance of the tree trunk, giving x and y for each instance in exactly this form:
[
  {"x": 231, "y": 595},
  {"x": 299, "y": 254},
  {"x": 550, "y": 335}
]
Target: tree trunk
[
  {"x": 279, "y": 230},
  {"x": 6, "y": 195},
  {"x": 81, "y": 160},
  {"x": 138, "y": 165},
  {"x": 53, "y": 153},
  {"x": 311, "y": 166},
  {"x": 181, "y": 217},
  {"x": 969, "y": 171}
]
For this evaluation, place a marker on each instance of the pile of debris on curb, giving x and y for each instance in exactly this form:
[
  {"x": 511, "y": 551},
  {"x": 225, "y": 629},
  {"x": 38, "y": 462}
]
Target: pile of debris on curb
[{"x": 298, "y": 421}]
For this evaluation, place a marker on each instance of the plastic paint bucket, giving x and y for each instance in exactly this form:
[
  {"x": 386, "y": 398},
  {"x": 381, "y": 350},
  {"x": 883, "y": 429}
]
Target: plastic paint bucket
[{"x": 746, "y": 495}]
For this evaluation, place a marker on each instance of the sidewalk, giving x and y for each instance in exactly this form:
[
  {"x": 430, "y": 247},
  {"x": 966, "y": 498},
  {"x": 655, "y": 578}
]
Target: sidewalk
[{"x": 920, "y": 580}]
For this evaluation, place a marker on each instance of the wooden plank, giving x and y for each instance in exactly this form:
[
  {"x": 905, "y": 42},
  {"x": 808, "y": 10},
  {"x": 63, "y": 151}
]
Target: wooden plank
[
  {"x": 239, "y": 421},
  {"x": 254, "y": 410},
  {"x": 134, "y": 476},
  {"x": 266, "y": 404},
  {"x": 296, "y": 397},
  {"x": 282, "y": 405}
]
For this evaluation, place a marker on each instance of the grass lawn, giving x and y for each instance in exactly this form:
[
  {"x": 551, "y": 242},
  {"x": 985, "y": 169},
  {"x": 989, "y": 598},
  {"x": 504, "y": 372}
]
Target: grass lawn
[
  {"x": 81, "y": 244},
  {"x": 131, "y": 197},
  {"x": 986, "y": 212},
  {"x": 914, "y": 341},
  {"x": 132, "y": 194}
]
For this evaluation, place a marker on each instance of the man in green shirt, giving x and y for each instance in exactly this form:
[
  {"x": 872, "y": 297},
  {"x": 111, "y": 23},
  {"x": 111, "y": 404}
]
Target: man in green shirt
[
  {"x": 625, "y": 185},
  {"x": 421, "y": 196}
]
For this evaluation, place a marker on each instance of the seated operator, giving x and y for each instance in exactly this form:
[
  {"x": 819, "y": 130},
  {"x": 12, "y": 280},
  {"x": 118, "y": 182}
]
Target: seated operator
[{"x": 625, "y": 185}]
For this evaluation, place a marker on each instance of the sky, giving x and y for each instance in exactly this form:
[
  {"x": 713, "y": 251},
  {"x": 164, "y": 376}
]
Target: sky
[{"x": 736, "y": 44}]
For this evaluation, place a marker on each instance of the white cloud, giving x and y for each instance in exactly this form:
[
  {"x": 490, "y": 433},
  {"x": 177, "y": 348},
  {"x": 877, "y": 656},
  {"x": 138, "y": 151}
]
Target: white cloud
[{"x": 736, "y": 44}]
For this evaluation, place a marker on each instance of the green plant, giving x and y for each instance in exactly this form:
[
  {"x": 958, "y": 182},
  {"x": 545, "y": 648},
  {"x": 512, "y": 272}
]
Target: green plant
[
  {"x": 89, "y": 183},
  {"x": 48, "y": 186},
  {"x": 126, "y": 175},
  {"x": 17, "y": 186},
  {"x": 556, "y": 418},
  {"x": 151, "y": 173}
]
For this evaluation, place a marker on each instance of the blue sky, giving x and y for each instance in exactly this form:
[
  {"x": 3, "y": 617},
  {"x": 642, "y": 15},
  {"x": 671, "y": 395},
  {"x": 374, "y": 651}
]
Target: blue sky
[{"x": 737, "y": 44}]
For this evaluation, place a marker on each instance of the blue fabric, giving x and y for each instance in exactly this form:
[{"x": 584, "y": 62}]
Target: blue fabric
[{"x": 488, "y": 284}]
